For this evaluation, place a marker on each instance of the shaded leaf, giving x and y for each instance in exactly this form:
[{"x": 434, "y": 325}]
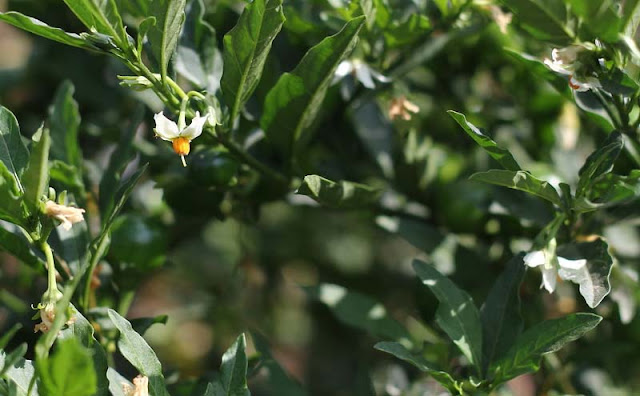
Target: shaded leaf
[
  {"x": 411, "y": 30},
  {"x": 246, "y": 48},
  {"x": 496, "y": 152},
  {"x": 64, "y": 121},
  {"x": 13, "y": 153},
  {"x": 500, "y": 314},
  {"x": 36, "y": 177},
  {"x": 545, "y": 337},
  {"x": 117, "y": 382},
  {"x": 277, "y": 380},
  {"x": 376, "y": 133},
  {"x": 121, "y": 197},
  {"x": 420, "y": 234},
  {"x": 520, "y": 180},
  {"x": 141, "y": 325},
  {"x": 18, "y": 246},
  {"x": 360, "y": 311},
  {"x": 12, "y": 208},
  {"x": 40, "y": 28},
  {"x": 599, "y": 162},
  {"x": 293, "y": 103},
  {"x": 233, "y": 376},
  {"x": 543, "y": 19},
  {"x": 8, "y": 335},
  {"x": 21, "y": 372},
  {"x": 338, "y": 194},
  {"x": 456, "y": 315},
  {"x": 136, "y": 350}
]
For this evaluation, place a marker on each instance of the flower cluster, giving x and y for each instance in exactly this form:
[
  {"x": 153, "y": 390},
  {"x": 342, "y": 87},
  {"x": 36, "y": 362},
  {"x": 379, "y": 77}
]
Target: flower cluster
[
  {"x": 565, "y": 61},
  {"x": 552, "y": 265}
]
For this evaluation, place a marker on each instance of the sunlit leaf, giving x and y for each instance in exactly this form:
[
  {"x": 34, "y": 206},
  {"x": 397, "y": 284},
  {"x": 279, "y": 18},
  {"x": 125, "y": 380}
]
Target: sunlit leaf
[
  {"x": 40, "y": 28},
  {"x": 163, "y": 36},
  {"x": 101, "y": 15},
  {"x": 68, "y": 372},
  {"x": 520, "y": 180}
]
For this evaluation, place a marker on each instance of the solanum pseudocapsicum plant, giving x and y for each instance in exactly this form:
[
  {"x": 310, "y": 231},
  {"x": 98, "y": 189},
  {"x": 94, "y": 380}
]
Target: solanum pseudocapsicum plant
[{"x": 216, "y": 93}]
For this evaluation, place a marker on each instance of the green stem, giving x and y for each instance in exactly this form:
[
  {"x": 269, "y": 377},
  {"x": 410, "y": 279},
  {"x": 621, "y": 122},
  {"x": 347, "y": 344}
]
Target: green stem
[
  {"x": 51, "y": 267},
  {"x": 616, "y": 121},
  {"x": 95, "y": 258},
  {"x": 126, "y": 298}
]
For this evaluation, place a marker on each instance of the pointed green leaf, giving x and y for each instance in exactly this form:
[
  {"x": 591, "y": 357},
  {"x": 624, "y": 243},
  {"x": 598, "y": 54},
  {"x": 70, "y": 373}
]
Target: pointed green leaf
[
  {"x": 136, "y": 350},
  {"x": 64, "y": 121},
  {"x": 40, "y": 28},
  {"x": 341, "y": 194},
  {"x": 630, "y": 14},
  {"x": 163, "y": 36},
  {"x": 101, "y": 15},
  {"x": 401, "y": 352},
  {"x": 520, "y": 180},
  {"x": 198, "y": 58},
  {"x": 293, "y": 103},
  {"x": 546, "y": 337},
  {"x": 8, "y": 335},
  {"x": 246, "y": 48},
  {"x": 82, "y": 331},
  {"x": 593, "y": 277},
  {"x": 496, "y": 152},
  {"x": 68, "y": 372},
  {"x": 360, "y": 311},
  {"x": 543, "y": 19},
  {"x": 234, "y": 369},
  {"x": 456, "y": 315},
  {"x": 599, "y": 162},
  {"x": 36, "y": 177},
  {"x": 121, "y": 197},
  {"x": 500, "y": 314},
  {"x": 13, "y": 153}
]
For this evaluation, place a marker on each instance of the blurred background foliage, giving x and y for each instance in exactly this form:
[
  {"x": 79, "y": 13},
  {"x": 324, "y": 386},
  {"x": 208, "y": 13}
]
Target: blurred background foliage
[{"x": 221, "y": 252}]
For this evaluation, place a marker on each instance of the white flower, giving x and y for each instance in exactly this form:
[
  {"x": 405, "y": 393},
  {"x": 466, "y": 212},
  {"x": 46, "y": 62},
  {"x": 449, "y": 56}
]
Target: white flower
[
  {"x": 141, "y": 387},
  {"x": 564, "y": 61},
  {"x": 363, "y": 72},
  {"x": 68, "y": 215},
  {"x": 550, "y": 262},
  {"x": 181, "y": 139}
]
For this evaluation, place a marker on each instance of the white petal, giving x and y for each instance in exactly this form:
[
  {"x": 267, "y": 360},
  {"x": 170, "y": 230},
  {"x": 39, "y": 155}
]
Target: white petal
[
  {"x": 571, "y": 264},
  {"x": 549, "y": 279},
  {"x": 165, "y": 128},
  {"x": 344, "y": 68},
  {"x": 379, "y": 76},
  {"x": 535, "y": 258},
  {"x": 559, "y": 67},
  {"x": 195, "y": 128},
  {"x": 363, "y": 74}
]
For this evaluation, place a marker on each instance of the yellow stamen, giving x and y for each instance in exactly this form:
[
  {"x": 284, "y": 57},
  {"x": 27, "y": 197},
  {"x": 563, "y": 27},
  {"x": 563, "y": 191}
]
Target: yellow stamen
[{"x": 181, "y": 146}]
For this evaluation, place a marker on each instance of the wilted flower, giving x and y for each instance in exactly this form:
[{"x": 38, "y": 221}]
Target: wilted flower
[
  {"x": 181, "y": 139},
  {"x": 550, "y": 263},
  {"x": 402, "y": 108},
  {"x": 140, "y": 387},
  {"x": 68, "y": 215},
  {"x": 361, "y": 71},
  {"x": 565, "y": 61},
  {"x": 48, "y": 314}
]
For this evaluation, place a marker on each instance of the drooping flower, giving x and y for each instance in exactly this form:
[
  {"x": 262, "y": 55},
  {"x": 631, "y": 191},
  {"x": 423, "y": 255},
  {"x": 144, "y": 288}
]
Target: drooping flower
[
  {"x": 140, "y": 387},
  {"x": 402, "y": 108},
  {"x": 361, "y": 71},
  {"x": 181, "y": 138},
  {"x": 68, "y": 215},
  {"x": 48, "y": 311},
  {"x": 550, "y": 263}
]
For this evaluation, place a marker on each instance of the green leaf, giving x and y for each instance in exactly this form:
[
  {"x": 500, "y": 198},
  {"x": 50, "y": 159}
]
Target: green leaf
[
  {"x": 276, "y": 378},
  {"x": 12, "y": 208},
  {"x": 36, "y": 177},
  {"x": 8, "y": 335},
  {"x": 599, "y": 162},
  {"x": 630, "y": 15},
  {"x": 539, "y": 69},
  {"x": 121, "y": 197},
  {"x": 496, "y": 152},
  {"x": 40, "y": 28},
  {"x": 20, "y": 372},
  {"x": 13, "y": 153},
  {"x": 543, "y": 19},
  {"x": 598, "y": 19},
  {"x": 293, "y": 103},
  {"x": 520, "y": 180},
  {"x": 500, "y": 314},
  {"x": 143, "y": 30},
  {"x": 546, "y": 337},
  {"x": 456, "y": 315},
  {"x": 246, "y": 48},
  {"x": 117, "y": 382},
  {"x": 609, "y": 190},
  {"x": 136, "y": 350},
  {"x": 141, "y": 325},
  {"x": 64, "y": 121},
  {"x": 376, "y": 133},
  {"x": 18, "y": 246},
  {"x": 12, "y": 358},
  {"x": 69, "y": 177},
  {"x": 101, "y": 15},
  {"x": 401, "y": 352},
  {"x": 122, "y": 155},
  {"x": 341, "y": 194},
  {"x": 234, "y": 369},
  {"x": 198, "y": 58},
  {"x": 360, "y": 311},
  {"x": 414, "y": 28},
  {"x": 593, "y": 277},
  {"x": 69, "y": 372},
  {"x": 163, "y": 36},
  {"x": 82, "y": 331},
  {"x": 418, "y": 233}
]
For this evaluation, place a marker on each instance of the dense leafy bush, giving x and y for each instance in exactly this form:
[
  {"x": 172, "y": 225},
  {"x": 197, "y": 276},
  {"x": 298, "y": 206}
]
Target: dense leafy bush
[{"x": 342, "y": 197}]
